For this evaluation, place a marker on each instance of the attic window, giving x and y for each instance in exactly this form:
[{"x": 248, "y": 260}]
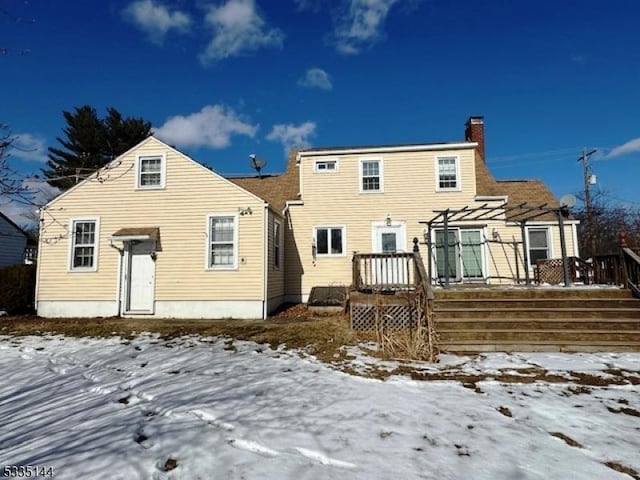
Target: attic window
[
  {"x": 326, "y": 166},
  {"x": 150, "y": 172}
]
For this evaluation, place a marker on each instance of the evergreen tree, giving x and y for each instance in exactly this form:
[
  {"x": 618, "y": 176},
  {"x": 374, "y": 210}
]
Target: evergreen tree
[{"x": 90, "y": 143}]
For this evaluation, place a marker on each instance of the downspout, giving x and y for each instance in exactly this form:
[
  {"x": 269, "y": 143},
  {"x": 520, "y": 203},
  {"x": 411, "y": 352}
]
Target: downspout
[
  {"x": 40, "y": 243},
  {"x": 119, "y": 282},
  {"x": 265, "y": 271}
]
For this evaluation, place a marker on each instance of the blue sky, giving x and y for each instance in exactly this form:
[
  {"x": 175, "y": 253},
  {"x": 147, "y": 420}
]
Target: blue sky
[{"x": 222, "y": 79}]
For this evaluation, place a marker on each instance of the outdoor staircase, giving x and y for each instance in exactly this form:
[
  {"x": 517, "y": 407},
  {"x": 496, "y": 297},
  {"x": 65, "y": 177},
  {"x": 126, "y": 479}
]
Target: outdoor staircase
[{"x": 537, "y": 319}]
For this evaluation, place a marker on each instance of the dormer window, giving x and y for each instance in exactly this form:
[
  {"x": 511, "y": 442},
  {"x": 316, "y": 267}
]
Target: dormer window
[{"x": 150, "y": 172}]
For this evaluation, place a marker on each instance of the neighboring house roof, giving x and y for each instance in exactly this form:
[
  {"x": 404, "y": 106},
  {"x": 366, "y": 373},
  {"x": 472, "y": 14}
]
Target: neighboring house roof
[
  {"x": 274, "y": 189},
  {"x": 13, "y": 224}
]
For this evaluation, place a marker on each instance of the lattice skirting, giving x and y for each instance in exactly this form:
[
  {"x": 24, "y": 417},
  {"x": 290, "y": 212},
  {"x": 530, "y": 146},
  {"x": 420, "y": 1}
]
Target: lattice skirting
[
  {"x": 549, "y": 271},
  {"x": 393, "y": 317}
]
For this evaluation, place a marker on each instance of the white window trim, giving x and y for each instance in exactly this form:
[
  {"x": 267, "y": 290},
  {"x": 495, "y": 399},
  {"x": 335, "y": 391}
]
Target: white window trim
[
  {"x": 163, "y": 172},
  {"x": 380, "y": 174},
  {"x": 344, "y": 240},
  {"x": 207, "y": 257},
  {"x": 437, "y": 173},
  {"x": 549, "y": 230},
  {"x": 277, "y": 254},
  {"x": 327, "y": 160},
  {"x": 72, "y": 241}
]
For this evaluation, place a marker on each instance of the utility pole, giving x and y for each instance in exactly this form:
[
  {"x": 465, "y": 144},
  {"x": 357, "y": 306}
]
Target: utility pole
[{"x": 584, "y": 158}]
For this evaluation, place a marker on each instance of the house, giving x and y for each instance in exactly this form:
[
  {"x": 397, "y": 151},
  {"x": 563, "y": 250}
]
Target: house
[
  {"x": 156, "y": 233},
  {"x": 379, "y": 198},
  {"x": 13, "y": 242}
]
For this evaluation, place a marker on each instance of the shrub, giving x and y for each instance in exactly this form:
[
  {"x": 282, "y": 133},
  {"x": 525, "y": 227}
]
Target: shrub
[{"x": 17, "y": 288}]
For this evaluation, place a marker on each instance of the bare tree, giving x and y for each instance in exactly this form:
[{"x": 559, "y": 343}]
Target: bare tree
[
  {"x": 12, "y": 185},
  {"x": 609, "y": 220}
]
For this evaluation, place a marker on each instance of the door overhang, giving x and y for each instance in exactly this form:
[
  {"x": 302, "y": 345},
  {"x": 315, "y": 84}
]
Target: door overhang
[{"x": 140, "y": 234}]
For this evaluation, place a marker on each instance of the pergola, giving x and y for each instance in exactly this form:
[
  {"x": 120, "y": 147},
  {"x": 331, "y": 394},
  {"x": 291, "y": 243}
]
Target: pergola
[{"x": 520, "y": 214}]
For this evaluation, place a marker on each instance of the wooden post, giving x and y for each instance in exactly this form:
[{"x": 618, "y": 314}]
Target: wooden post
[
  {"x": 525, "y": 256},
  {"x": 563, "y": 249},
  {"x": 446, "y": 249}
]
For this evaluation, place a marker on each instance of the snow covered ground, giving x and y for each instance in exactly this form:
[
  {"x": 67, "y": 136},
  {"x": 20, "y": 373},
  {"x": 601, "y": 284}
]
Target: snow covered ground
[{"x": 206, "y": 408}]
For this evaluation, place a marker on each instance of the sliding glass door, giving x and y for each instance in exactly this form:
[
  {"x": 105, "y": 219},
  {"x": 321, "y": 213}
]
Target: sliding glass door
[{"x": 465, "y": 254}]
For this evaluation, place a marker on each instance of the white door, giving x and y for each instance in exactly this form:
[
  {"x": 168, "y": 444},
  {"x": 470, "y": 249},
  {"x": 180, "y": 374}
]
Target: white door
[
  {"x": 140, "y": 277},
  {"x": 390, "y": 271}
]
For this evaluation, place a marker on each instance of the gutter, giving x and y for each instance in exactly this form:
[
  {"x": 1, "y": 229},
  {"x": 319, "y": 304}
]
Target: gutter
[
  {"x": 119, "y": 282},
  {"x": 386, "y": 149},
  {"x": 38, "y": 264}
]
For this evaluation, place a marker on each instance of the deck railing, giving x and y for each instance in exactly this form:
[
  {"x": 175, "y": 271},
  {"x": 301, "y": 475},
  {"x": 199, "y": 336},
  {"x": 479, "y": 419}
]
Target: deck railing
[
  {"x": 399, "y": 272},
  {"x": 607, "y": 270},
  {"x": 393, "y": 271},
  {"x": 632, "y": 270}
]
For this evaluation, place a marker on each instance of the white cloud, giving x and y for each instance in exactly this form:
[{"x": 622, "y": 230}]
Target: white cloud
[
  {"x": 23, "y": 212},
  {"x": 211, "y": 127},
  {"x": 316, "y": 78},
  {"x": 238, "y": 28},
  {"x": 155, "y": 19},
  {"x": 362, "y": 25},
  {"x": 632, "y": 146},
  {"x": 28, "y": 147},
  {"x": 293, "y": 136}
]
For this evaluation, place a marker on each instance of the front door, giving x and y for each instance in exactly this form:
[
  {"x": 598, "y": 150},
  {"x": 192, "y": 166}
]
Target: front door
[
  {"x": 389, "y": 239},
  {"x": 140, "y": 277}
]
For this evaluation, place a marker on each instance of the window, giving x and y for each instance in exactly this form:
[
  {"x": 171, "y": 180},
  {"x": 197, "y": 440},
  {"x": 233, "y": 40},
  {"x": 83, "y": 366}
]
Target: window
[
  {"x": 223, "y": 242},
  {"x": 326, "y": 166},
  {"x": 276, "y": 244},
  {"x": 448, "y": 173},
  {"x": 151, "y": 172},
  {"x": 371, "y": 176},
  {"x": 84, "y": 245},
  {"x": 329, "y": 241},
  {"x": 538, "y": 244}
]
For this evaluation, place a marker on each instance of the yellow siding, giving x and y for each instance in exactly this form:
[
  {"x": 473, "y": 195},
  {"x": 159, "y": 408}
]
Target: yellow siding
[
  {"x": 180, "y": 211},
  {"x": 275, "y": 284},
  {"x": 332, "y": 199},
  {"x": 410, "y": 196}
]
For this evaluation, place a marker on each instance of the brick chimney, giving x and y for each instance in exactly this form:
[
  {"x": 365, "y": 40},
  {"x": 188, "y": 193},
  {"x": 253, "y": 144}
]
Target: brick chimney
[{"x": 474, "y": 132}]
